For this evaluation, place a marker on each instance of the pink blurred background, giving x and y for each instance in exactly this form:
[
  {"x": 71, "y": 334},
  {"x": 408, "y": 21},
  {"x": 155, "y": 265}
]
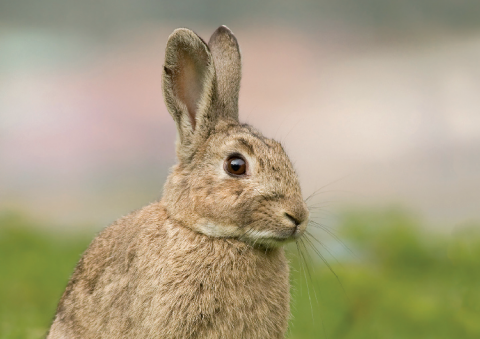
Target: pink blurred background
[{"x": 379, "y": 105}]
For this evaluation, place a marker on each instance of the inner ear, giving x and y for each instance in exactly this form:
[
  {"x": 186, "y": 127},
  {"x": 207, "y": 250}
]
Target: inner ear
[{"x": 190, "y": 84}]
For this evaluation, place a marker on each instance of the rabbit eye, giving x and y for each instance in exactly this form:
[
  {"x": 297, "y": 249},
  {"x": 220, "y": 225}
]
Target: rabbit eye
[{"x": 236, "y": 165}]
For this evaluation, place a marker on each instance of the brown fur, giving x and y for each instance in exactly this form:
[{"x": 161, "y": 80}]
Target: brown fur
[{"x": 207, "y": 260}]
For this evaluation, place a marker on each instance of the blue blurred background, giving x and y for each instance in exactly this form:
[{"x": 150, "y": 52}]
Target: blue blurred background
[{"x": 376, "y": 102}]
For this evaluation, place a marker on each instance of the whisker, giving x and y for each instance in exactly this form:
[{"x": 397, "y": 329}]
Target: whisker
[
  {"x": 318, "y": 207},
  {"x": 305, "y": 275},
  {"x": 308, "y": 234},
  {"x": 314, "y": 290},
  {"x": 320, "y": 204},
  {"x": 323, "y": 227},
  {"x": 281, "y": 123},
  {"x": 293, "y": 127},
  {"x": 330, "y": 183},
  {"x": 321, "y": 256},
  {"x": 333, "y": 235},
  {"x": 248, "y": 230},
  {"x": 321, "y": 210},
  {"x": 308, "y": 268}
]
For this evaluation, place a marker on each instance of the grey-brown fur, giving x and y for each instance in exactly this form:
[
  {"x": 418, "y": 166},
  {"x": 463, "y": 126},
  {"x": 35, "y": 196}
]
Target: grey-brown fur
[{"x": 207, "y": 260}]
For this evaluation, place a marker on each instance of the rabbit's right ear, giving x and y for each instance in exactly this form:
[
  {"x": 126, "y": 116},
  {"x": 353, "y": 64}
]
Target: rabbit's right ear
[
  {"x": 228, "y": 66},
  {"x": 189, "y": 88}
]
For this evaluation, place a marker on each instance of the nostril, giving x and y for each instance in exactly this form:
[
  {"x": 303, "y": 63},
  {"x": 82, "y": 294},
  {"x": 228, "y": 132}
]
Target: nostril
[{"x": 293, "y": 219}]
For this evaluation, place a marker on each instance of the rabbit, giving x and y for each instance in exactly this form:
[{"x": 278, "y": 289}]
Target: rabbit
[{"x": 207, "y": 260}]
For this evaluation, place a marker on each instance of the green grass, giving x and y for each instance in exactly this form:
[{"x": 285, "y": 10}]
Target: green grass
[
  {"x": 399, "y": 282},
  {"x": 34, "y": 269}
]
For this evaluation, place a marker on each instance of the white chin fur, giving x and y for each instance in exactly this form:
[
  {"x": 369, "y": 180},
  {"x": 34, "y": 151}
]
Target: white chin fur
[
  {"x": 266, "y": 238},
  {"x": 219, "y": 231},
  {"x": 254, "y": 237}
]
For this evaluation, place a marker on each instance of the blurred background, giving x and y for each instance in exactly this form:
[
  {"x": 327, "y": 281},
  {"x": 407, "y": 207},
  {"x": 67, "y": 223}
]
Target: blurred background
[{"x": 377, "y": 103}]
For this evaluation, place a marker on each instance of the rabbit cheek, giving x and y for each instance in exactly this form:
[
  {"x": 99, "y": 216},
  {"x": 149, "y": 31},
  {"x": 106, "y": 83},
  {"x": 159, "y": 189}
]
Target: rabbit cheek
[{"x": 219, "y": 208}]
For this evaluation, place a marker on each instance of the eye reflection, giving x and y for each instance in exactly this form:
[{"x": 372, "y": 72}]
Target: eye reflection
[{"x": 236, "y": 165}]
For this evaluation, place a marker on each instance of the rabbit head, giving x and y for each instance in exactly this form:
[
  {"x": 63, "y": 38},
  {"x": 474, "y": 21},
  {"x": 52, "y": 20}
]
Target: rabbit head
[{"x": 230, "y": 181}]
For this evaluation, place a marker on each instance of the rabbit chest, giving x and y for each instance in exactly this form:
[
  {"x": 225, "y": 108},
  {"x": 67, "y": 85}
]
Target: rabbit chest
[{"x": 162, "y": 280}]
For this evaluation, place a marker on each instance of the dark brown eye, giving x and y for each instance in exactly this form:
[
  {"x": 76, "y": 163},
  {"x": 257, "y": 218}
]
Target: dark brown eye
[{"x": 236, "y": 165}]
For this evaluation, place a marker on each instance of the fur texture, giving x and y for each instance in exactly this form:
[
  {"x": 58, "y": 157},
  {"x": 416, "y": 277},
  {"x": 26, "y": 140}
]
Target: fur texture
[{"x": 207, "y": 260}]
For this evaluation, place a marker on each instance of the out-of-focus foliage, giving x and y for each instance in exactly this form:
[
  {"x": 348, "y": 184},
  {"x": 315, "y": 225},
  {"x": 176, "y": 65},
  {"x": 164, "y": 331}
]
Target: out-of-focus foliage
[
  {"x": 34, "y": 269},
  {"x": 116, "y": 13},
  {"x": 396, "y": 281}
]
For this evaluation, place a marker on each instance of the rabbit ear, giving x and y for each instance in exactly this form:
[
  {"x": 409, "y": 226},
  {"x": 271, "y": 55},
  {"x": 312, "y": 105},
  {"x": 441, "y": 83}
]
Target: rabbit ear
[
  {"x": 226, "y": 55},
  {"x": 189, "y": 87}
]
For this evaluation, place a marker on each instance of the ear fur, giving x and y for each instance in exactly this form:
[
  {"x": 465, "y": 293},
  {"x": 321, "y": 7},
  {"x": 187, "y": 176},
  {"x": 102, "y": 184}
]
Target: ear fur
[
  {"x": 189, "y": 87},
  {"x": 226, "y": 55}
]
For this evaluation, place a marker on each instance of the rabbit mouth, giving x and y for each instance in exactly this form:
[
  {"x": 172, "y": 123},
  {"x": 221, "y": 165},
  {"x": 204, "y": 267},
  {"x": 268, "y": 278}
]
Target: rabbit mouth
[{"x": 252, "y": 236}]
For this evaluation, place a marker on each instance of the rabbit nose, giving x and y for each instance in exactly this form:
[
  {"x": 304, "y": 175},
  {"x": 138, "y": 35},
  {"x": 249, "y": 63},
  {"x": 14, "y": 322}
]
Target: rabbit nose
[
  {"x": 293, "y": 219},
  {"x": 297, "y": 215},
  {"x": 297, "y": 221}
]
